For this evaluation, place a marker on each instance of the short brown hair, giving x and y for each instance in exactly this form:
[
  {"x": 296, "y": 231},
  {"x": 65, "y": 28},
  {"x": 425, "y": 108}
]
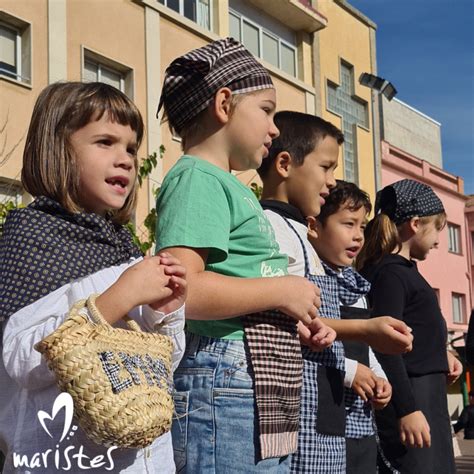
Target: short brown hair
[
  {"x": 300, "y": 133},
  {"x": 49, "y": 165},
  {"x": 191, "y": 127}
]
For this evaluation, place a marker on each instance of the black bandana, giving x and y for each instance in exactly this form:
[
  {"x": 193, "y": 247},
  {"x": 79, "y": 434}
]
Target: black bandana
[
  {"x": 406, "y": 199},
  {"x": 44, "y": 247},
  {"x": 192, "y": 80},
  {"x": 284, "y": 209}
]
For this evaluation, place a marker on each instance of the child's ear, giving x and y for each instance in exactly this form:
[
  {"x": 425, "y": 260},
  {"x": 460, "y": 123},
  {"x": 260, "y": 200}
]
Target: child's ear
[
  {"x": 313, "y": 227},
  {"x": 283, "y": 163},
  {"x": 222, "y": 104},
  {"x": 414, "y": 224}
]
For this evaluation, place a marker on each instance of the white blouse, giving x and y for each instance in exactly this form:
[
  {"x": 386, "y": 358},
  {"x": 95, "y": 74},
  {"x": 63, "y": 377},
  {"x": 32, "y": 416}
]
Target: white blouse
[{"x": 27, "y": 387}]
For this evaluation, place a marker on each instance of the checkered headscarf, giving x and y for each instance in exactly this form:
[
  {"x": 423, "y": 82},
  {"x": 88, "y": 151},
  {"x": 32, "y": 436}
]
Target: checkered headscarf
[
  {"x": 406, "y": 199},
  {"x": 192, "y": 80}
]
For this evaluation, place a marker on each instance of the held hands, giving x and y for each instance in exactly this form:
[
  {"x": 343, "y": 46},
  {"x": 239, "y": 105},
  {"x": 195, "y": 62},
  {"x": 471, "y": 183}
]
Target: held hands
[
  {"x": 414, "y": 430},
  {"x": 383, "y": 394},
  {"x": 364, "y": 383},
  {"x": 158, "y": 281},
  {"x": 455, "y": 368},
  {"x": 388, "y": 335},
  {"x": 176, "y": 283},
  {"x": 301, "y": 299},
  {"x": 317, "y": 336},
  {"x": 371, "y": 388}
]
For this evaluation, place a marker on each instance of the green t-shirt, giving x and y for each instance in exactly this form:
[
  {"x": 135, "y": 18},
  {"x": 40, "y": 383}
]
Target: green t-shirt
[{"x": 203, "y": 206}]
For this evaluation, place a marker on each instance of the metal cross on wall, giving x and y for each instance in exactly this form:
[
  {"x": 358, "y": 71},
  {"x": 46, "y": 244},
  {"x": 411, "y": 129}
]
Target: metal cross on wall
[{"x": 353, "y": 111}]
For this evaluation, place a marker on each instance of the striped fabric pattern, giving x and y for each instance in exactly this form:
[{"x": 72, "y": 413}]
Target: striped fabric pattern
[
  {"x": 192, "y": 80},
  {"x": 277, "y": 365}
]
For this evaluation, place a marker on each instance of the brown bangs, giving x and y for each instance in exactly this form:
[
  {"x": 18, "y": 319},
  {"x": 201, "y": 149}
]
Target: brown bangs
[
  {"x": 49, "y": 165},
  {"x": 439, "y": 220}
]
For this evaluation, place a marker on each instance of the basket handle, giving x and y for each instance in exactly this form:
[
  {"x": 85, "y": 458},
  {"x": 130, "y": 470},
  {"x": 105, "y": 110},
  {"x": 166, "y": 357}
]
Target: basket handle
[{"x": 99, "y": 318}]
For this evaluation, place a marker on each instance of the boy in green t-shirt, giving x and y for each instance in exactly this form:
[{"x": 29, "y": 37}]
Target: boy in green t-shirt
[{"x": 243, "y": 355}]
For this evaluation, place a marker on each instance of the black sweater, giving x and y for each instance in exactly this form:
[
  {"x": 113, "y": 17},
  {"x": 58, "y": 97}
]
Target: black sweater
[{"x": 399, "y": 290}]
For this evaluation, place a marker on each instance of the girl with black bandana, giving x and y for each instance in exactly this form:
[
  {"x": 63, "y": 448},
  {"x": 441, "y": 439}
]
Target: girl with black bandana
[
  {"x": 414, "y": 429},
  {"x": 80, "y": 165}
]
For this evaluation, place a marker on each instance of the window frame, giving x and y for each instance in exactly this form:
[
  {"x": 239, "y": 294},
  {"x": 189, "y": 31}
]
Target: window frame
[
  {"x": 10, "y": 191},
  {"x": 261, "y": 30},
  {"x": 461, "y": 298},
  {"x": 126, "y": 73},
  {"x": 6, "y": 185},
  {"x": 198, "y": 13},
  {"x": 22, "y": 31},
  {"x": 457, "y": 250}
]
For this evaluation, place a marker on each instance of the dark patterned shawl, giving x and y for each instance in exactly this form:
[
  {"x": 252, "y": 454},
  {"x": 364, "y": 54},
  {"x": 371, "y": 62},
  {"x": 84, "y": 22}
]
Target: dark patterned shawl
[{"x": 44, "y": 247}]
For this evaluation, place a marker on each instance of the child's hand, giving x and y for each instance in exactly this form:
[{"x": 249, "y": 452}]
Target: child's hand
[
  {"x": 388, "y": 335},
  {"x": 317, "y": 336},
  {"x": 301, "y": 299},
  {"x": 383, "y": 394},
  {"x": 455, "y": 368},
  {"x": 364, "y": 383},
  {"x": 414, "y": 430},
  {"x": 177, "y": 283},
  {"x": 143, "y": 283}
]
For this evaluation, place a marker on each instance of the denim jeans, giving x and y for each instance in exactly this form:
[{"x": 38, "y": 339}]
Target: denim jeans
[{"x": 215, "y": 429}]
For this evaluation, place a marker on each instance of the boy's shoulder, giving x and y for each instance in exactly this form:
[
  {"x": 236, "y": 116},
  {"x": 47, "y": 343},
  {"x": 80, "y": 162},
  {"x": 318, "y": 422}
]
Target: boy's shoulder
[
  {"x": 197, "y": 170},
  {"x": 284, "y": 228},
  {"x": 291, "y": 236}
]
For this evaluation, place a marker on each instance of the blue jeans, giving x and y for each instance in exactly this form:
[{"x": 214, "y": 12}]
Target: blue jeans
[{"x": 216, "y": 429}]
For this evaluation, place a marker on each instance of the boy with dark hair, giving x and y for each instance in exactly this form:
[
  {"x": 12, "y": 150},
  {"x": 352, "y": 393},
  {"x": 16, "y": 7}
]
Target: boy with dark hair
[
  {"x": 340, "y": 229},
  {"x": 298, "y": 175}
]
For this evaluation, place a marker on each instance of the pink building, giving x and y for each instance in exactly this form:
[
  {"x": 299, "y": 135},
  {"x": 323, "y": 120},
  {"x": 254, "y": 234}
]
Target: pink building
[
  {"x": 447, "y": 268},
  {"x": 470, "y": 240}
]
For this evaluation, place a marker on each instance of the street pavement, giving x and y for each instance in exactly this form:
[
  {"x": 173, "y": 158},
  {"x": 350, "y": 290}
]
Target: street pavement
[{"x": 465, "y": 463}]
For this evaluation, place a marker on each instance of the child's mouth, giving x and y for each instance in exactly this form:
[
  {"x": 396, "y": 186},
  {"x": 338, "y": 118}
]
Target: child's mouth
[
  {"x": 119, "y": 183},
  {"x": 352, "y": 252}
]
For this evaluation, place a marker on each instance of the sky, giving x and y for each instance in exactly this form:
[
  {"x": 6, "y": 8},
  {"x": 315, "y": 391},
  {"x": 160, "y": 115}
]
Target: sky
[{"x": 426, "y": 49}]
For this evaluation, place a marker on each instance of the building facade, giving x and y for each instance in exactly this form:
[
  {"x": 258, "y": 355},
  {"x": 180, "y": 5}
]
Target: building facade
[
  {"x": 314, "y": 68},
  {"x": 340, "y": 59}
]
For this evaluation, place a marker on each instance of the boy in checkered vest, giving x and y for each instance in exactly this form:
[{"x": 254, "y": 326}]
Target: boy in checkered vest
[
  {"x": 340, "y": 237},
  {"x": 297, "y": 177}
]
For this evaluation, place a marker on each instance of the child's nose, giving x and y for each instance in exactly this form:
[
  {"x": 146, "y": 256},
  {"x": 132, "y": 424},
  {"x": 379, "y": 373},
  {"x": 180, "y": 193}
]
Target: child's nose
[
  {"x": 125, "y": 160},
  {"x": 330, "y": 180},
  {"x": 274, "y": 132}
]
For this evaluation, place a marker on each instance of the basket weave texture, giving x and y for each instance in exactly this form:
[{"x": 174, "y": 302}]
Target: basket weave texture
[{"x": 120, "y": 379}]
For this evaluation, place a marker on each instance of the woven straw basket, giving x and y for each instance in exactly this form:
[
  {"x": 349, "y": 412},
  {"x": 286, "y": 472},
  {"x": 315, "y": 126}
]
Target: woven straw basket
[{"x": 120, "y": 380}]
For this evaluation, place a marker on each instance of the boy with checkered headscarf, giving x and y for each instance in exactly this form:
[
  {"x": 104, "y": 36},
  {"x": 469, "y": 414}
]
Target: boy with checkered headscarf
[{"x": 239, "y": 382}]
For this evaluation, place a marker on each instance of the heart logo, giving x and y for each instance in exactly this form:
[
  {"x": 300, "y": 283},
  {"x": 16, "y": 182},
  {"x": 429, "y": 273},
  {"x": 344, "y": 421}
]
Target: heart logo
[{"x": 63, "y": 400}]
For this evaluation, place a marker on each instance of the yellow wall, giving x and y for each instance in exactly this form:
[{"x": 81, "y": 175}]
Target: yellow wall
[
  {"x": 16, "y": 100},
  {"x": 88, "y": 25},
  {"x": 346, "y": 37}
]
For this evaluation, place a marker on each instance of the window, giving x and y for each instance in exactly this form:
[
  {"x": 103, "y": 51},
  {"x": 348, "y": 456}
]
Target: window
[
  {"x": 198, "y": 11},
  {"x": 458, "y": 308},
  {"x": 454, "y": 238},
  {"x": 342, "y": 101},
  {"x": 263, "y": 43},
  {"x": 100, "y": 69},
  {"x": 15, "y": 49}
]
